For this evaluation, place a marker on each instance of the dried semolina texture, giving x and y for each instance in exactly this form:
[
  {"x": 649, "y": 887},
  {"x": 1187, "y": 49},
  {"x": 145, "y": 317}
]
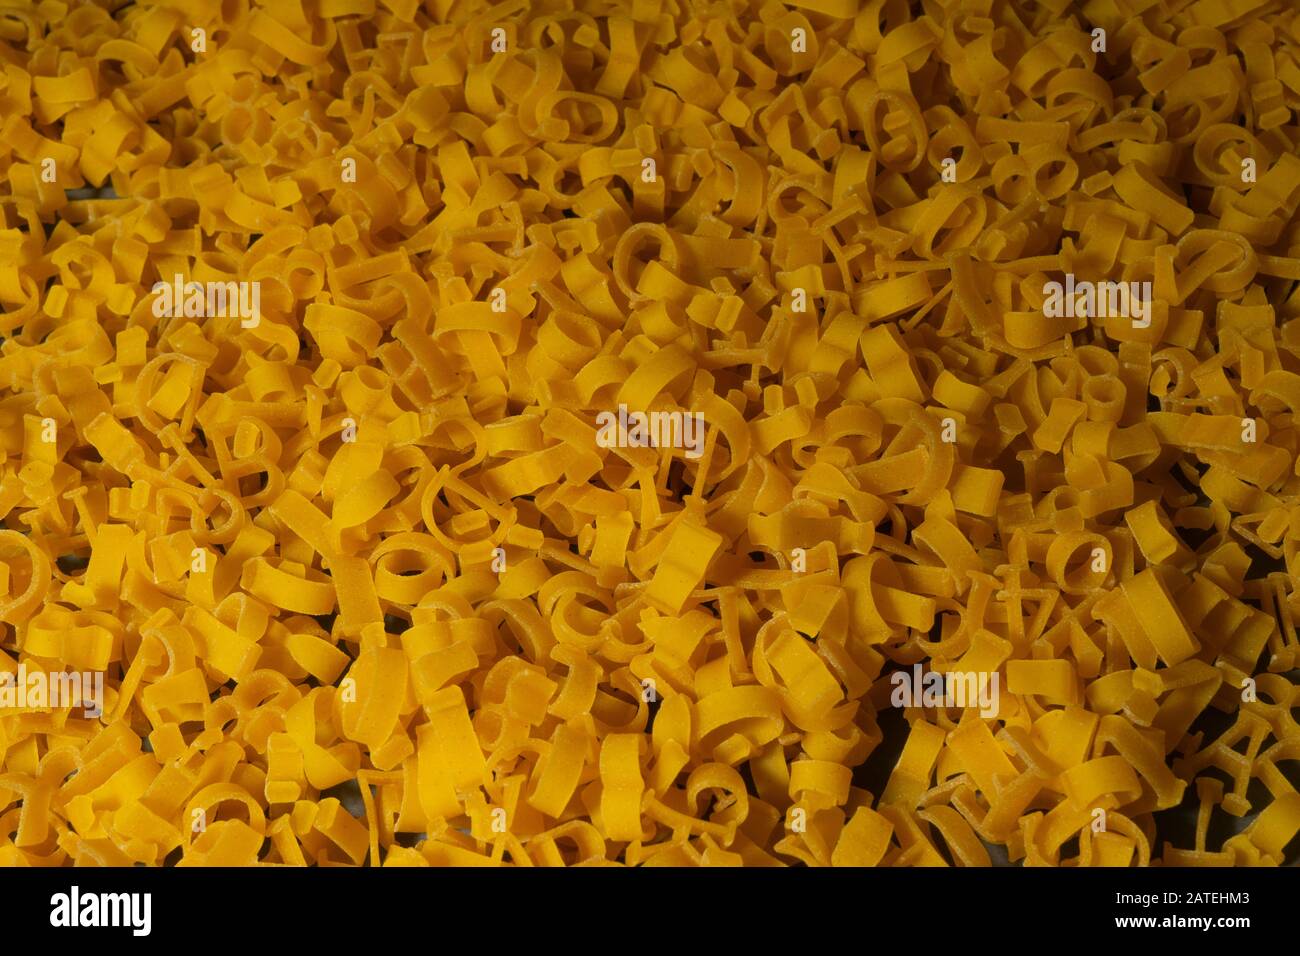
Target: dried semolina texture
[{"x": 451, "y": 434}]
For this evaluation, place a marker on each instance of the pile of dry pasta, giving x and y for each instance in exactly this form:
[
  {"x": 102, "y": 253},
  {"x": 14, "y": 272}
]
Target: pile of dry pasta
[{"x": 366, "y": 580}]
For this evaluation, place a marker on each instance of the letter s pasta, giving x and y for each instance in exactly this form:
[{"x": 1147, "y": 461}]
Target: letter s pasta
[{"x": 551, "y": 434}]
